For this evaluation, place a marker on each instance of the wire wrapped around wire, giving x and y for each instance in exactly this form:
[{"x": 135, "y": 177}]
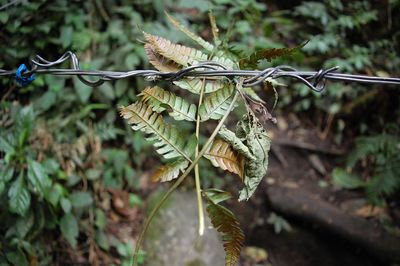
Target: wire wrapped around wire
[{"x": 315, "y": 80}]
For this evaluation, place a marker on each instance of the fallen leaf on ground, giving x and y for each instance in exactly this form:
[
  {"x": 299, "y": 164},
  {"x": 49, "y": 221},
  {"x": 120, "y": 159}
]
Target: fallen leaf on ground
[
  {"x": 369, "y": 211},
  {"x": 255, "y": 254}
]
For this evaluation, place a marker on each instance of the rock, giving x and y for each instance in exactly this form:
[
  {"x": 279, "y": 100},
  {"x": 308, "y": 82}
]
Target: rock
[{"x": 173, "y": 236}]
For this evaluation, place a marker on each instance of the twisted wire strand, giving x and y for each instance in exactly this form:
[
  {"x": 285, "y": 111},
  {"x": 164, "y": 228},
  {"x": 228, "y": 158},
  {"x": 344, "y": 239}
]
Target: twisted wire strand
[
  {"x": 11, "y": 3},
  {"x": 315, "y": 80}
]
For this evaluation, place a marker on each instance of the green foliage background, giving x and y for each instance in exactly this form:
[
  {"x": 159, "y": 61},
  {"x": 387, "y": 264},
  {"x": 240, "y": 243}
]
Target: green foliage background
[{"x": 62, "y": 143}]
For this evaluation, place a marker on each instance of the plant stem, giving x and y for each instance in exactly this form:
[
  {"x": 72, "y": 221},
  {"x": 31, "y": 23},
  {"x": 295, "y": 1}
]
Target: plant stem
[
  {"x": 181, "y": 179},
  {"x": 196, "y": 167}
]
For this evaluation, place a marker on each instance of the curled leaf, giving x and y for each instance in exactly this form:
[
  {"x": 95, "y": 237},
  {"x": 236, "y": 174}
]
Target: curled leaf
[
  {"x": 236, "y": 143},
  {"x": 259, "y": 145},
  {"x": 217, "y": 195},
  {"x": 251, "y": 141}
]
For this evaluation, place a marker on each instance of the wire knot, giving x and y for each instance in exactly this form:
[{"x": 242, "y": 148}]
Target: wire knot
[
  {"x": 23, "y": 80},
  {"x": 319, "y": 78}
]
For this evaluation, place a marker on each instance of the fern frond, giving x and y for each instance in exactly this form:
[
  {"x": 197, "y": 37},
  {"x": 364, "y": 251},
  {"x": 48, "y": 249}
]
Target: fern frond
[
  {"x": 170, "y": 171},
  {"x": 382, "y": 184},
  {"x": 222, "y": 155},
  {"x": 158, "y": 98},
  {"x": 180, "y": 54},
  {"x": 222, "y": 59},
  {"x": 225, "y": 222},
  {"x": 268, "y": 54},
  {"x": 183, "y": 55},
  {"x": 206, "y": 45},
  {"x": 163, "y": 63},
  {"x": 168, "y": 140},
  {"x": 159, "y": 62},
  {"x": 195, "y": 84},
  {"x": 216, "y": 103},
  {"x": 219, "y": 57}
]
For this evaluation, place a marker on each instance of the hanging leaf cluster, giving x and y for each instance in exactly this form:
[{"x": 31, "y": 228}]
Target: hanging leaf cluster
[
  {"x": 248, "y": 146},
  {"x": 243, "y": 152},
  {"x": 147, "y": 114}
]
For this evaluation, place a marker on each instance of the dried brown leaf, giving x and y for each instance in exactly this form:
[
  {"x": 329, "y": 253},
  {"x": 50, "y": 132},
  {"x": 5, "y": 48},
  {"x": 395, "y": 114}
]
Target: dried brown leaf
[
  {"x": 180, "y": 54},
  {"x": 223, "y": 156},
  {"x": 163, "y": 55},
  {"x": 225, "y": 222},
  {"x": 159, "y": 62},
  {"x": 169, "y": 171}
]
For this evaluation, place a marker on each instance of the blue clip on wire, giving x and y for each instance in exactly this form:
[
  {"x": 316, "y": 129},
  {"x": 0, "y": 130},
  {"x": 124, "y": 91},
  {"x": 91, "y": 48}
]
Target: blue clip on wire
[{"x": 21, "y": 80}]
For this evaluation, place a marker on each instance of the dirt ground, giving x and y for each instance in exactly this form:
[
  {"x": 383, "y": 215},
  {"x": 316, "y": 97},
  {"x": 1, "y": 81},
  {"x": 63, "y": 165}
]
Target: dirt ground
[{"x": 302, "y": 160}]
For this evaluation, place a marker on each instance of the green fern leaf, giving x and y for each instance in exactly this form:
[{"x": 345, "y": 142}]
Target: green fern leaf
[
  {"x": 159, "y": 99},
  {"x": 343, "y": 179},
  {"x": 217, "y": 195},
  {"x": 180, "y": 54},
  {"x": 216, "y": 104},
  {"x": 206, "y": 45},
  {"x": 225, "y": 222},
  {"x": 382, "y": 184},
  {"x": 168, "y": 140},
  {"x": 170, "y": 171},
  {"x": 219, "y": 57},
  {"x": 222, "y": 59},
  {"x": 195, "y": 84}
]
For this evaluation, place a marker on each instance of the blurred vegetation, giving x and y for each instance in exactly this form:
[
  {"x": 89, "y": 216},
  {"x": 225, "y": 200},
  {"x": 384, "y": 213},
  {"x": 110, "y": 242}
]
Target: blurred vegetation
[{"x": 62, "y": 144}]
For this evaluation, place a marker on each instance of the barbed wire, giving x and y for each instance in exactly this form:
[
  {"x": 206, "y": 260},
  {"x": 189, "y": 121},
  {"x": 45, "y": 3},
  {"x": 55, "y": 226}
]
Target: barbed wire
[
  {"x": 11, "y": 3},
  {"x": 315, "y": 80}
]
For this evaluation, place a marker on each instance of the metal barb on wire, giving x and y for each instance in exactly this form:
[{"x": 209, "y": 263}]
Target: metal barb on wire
[{"x": 315, "y": 80}]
